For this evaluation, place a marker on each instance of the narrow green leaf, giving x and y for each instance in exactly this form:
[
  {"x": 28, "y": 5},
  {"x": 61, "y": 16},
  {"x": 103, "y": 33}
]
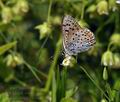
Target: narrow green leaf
[{"x": 6, "y": 47}]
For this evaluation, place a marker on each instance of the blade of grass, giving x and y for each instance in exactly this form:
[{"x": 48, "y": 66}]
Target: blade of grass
[
  {"x": 54, "y": 88},
  {"x": 6, "y": 47},
  {"x": 58, "y": 94},
  {"x": 63, "y": 81},
  {"x": 95, "y": 83}
]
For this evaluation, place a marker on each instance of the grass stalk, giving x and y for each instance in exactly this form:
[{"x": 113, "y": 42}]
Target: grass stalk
[{"x": 52, "y": 67}]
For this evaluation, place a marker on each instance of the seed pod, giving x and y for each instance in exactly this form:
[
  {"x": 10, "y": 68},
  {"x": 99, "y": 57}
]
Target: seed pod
[{"x": 105, "y": 74}]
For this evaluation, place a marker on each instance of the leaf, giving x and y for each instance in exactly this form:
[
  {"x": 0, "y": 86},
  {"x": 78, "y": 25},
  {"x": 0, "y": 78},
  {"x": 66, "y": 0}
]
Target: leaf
[
  {"x": 6, "y": 47},
  {"x": 4, "y": 97}
]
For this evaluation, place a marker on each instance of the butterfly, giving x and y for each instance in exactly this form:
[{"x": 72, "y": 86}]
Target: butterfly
[{"x": 75, "y": 38}]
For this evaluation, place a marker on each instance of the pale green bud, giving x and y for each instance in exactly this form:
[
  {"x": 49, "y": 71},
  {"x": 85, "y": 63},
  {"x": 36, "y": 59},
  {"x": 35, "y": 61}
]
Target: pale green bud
[
  {"x": 21, "y": 7},
  {"x": 115, "y": 38},
  {"x": 91, "y": 8},
  {"x": 105, "y": 74},
  {"x": 107, "y": 58},
  {"x": 13, "y": 60},
  {"x": 6, "y": 14},
  {"x": 104, "y": 100},
  {"x": 102, "y": 7},
  {"x": 44, "y": 29}
]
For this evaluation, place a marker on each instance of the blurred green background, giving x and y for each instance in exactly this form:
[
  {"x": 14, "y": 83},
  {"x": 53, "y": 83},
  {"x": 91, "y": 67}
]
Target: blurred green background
[{"x": 31, "y": 48}]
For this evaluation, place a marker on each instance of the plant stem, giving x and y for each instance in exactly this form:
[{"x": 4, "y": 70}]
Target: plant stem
[
  {"x": 117, "y": 19},
  {"x": 31, "y": 69},
  {"x": 49, "y": 11},
  {"x": 52, "y": 67},
  {"x": 20, "y": 82},
  {"x": 109, "y": 45},
  {"x": 1, "y": 4},
  {"x": 64, "y": 79},
  {"x": 54, "y": 88},
  {"x": 61, "y": 83},
  {"x": 82, "y": 12},
  {"x": 48, "y": 21}
]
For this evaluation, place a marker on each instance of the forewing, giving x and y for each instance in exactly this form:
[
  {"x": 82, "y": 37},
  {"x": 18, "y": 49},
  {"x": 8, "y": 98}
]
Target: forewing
[{"x": 69, "y": 27}]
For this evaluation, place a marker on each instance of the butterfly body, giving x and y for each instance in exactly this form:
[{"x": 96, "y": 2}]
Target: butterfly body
[{"x": 75, "y": 38}]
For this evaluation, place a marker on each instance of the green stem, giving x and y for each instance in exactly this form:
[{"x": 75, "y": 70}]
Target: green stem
[
  {"x": 52, "y": 67},
  {"x": 49, "y": 11},
  {"x": 48, "y": 21},
  {"x": 63, "y": 82},
  {"x": 1, "y": 4},
  {"x": 117, "y": 25},
  {"x": 20, "y": 82},
  {"x": 82, "y": 12},
  {"x": 31, "y": 69},
  {"x": 103, "y": 24},
  {"x": 43, "y": 44},
  {"x": 54, "y": 88},
  {"x": 41, "y": 73},
  {"x": 109, "y": 45},
  {"x": 94, "y": 82}
]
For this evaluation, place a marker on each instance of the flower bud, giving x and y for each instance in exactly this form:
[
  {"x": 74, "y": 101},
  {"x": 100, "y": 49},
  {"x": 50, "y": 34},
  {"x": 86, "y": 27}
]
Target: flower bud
[
  {"x": 107, "y": 58},
  {"x": 21, "y": 7},
  {"x": 18, "y": 59},
  {"x": 91, "y": 8},
  {"x": 115, "y": 38},
  {"x": 102, "y": 7},
  {"x": 44, "y": 29},
  {"x": 105, "y": 74},
  {"x": 6, "y": 14},
  {"x": 69, "y": 61},
  {"x": 13, "y": 60}
]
